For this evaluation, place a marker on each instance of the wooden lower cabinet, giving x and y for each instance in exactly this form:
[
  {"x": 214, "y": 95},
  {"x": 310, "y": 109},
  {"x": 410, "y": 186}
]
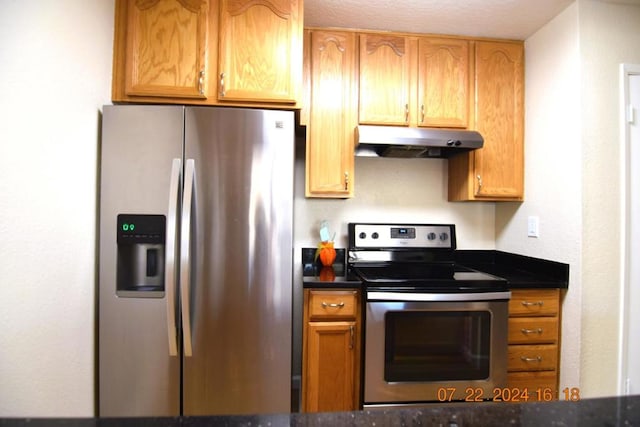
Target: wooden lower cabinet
[
  {"x": 534, "y": 340},
  {"x": 331, "y": 350}
]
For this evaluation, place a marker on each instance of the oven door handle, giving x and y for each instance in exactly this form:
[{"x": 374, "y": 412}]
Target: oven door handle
[{"x": 444, "y": 297}]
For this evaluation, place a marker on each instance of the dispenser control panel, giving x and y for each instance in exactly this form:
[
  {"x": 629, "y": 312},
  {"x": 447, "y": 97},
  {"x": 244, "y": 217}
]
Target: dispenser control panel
[
  {"x": 141, "y": 256},
  {"x": 134, "y": 228}
]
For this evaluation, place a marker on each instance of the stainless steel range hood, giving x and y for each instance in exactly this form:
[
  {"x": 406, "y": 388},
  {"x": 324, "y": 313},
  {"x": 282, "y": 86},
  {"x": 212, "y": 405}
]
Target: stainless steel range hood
[{"x": 390, "y": 141}]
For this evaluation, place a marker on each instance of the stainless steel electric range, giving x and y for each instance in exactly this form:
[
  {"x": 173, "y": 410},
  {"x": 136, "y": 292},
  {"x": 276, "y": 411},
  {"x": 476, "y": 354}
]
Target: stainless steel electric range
[{"x": 435, "y": 331}]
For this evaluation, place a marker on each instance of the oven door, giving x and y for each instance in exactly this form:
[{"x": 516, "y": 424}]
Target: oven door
[{"x": 434, "y": 347}]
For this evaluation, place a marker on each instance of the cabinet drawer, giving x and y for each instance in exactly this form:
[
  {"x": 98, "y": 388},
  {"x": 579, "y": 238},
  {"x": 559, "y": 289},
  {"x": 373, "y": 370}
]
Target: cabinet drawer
[
  {"x": 532, "y": 358},
  {"x": 541, "y": 385},
  {"x": 533, "y": 330},
  {"x": 332, "y": 305},
  {"x": 534, "y": 302}
]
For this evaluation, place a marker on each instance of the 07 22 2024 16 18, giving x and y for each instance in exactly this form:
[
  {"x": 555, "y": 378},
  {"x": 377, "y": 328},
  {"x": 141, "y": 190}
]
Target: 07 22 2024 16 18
[{"x": 510, "y": 394}]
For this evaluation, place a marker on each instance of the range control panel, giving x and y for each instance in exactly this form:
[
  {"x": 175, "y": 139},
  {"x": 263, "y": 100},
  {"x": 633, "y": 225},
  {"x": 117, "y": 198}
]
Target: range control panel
[{"x": 402, "y": 236}]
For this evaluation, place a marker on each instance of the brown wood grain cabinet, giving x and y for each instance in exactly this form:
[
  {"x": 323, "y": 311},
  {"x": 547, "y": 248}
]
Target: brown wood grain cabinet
[
  {"x": 260, "y": 50},
  {"x": 331, "y": 350},
  {"x": 443, "y": 82},
  {"x": 414, "y": 81},
  {"x": 239, "y": 52},
  {"x": 417, "y": 81},
  {"x": 534, "y": 340},
  {"x": 161, "y": 48},
  {"x": 495, "y": 172},
  {"x": 385, "y": 72},
  {"x": 331, "y": 111}
]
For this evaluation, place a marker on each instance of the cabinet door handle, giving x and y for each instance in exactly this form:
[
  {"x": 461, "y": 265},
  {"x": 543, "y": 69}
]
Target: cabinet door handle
[
  {"x": 346, "y": 181},
  {"x": 531, "y": 359},
  {"x": 479, "y": 182},
  {"x": 333, "y": 305},
  {"x": 530, "y": 304},
  {"x": 406, "y": 113},
  {"x": 201, "y": 82},
  {"x": 222, "y": 91},
  {"x": 352, "y": 339},
  {"x": 422, "y": 113},
  {"x": 531, "y": 331}
]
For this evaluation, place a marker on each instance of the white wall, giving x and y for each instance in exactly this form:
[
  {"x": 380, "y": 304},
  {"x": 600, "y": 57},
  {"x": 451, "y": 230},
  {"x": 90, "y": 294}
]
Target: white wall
[
  {"x": 573, "y": 175},
  {"x": 397, "y": 190},
  {"x": 553, "y": 171},
  {"x": 609, "y": 35},
  {"x": 55, "y": 74}
]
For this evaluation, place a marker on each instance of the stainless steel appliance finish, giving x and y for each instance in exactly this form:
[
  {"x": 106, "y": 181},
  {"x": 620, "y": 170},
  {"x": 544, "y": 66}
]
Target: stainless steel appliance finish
[
  {"x": 443, "y": 324},
  {"x": 434, "y": 329},
  {"x": 395, "y": 141},
  {"x": 217, "y": 339}
]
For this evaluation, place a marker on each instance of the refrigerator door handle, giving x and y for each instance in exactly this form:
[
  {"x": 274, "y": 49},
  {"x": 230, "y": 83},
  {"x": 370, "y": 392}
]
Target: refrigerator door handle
[
  {"x": 170, "y": 261},
  {"x": 185, "y": 255}
]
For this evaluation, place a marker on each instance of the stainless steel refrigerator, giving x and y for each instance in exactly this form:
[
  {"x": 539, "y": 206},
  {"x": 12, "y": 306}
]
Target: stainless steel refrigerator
[{"x": 195, "y": 268}]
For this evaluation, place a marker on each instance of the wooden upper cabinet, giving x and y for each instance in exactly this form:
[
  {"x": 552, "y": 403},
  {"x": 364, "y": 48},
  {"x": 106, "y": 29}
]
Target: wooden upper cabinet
[
  {"x": 232, "y": 52},
  {"x": 499, "y": 166},
  {"x": 384, "y": 79},
  {"x": 443, "y": 82},
  {"x": 414, "y": 81},
  {"x": 161, "y": 48},
  {"x": 260, "y": 58},
  {"x": 496, "y": 171},
  {"x": 332, "y": 110}
]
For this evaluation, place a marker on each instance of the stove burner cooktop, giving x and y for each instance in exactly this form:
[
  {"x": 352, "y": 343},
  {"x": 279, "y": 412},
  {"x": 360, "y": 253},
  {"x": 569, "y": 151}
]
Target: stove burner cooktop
[
  {"x": 428, "y": 277},
  {"x": 405, "y": 257}
]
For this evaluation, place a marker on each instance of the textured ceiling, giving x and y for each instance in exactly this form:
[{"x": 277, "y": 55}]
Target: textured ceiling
[{"x": 512, "y": 19}]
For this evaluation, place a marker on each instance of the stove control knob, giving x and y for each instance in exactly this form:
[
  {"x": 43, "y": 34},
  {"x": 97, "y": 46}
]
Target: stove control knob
[
  {"x": 431, "y": 236},
  {"x": 362, "y": 235},
  {"x": 444, "y": 236},
  {"x": 375, "y": 235}
]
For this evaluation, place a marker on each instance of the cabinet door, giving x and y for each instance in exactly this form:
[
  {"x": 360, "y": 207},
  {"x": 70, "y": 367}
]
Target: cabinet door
[
  {"x": 260, "y": 50},
  {"x": 384, "y": 79},
  {"x": 443, "y": 82},
  {"x": 165, "y": 44},
  {"x": 331, "y": 128},
  {"x": 331, "y": 362},
  {"x": 499, "y": 165}
]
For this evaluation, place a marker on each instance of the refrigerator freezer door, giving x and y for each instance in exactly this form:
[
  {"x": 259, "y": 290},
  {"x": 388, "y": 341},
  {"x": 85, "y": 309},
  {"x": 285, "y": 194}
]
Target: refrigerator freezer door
[
  {"x": 241, "y": 261},
  {"x": 137, "y": 377}
]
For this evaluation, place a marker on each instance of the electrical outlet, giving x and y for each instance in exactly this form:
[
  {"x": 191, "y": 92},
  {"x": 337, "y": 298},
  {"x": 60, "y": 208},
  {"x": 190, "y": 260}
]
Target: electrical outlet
[{"x": 533, "y": 226}]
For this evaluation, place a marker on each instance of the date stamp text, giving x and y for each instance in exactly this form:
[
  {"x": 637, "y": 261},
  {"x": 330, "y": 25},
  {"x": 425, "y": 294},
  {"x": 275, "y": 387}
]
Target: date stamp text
[{"x": 509, "y": 394}]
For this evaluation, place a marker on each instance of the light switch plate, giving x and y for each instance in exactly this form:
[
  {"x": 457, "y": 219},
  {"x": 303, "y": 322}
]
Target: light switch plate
[{"x": 533, "y": 226}]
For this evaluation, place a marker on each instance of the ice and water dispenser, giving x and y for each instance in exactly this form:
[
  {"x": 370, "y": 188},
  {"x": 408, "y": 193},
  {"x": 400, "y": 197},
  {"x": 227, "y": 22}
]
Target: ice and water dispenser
[{"x": 141, "y": 242}]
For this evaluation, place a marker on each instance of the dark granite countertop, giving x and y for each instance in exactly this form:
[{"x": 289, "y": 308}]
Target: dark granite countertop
[
  {"x": 520, "y": 271},
  {"x": 314, "y": 275},
  {"x": 612, "y": 411}
]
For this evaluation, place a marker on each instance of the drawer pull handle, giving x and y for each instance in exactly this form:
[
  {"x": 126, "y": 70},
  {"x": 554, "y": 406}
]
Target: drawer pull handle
[
  {"x": 333, "y": 305},
  {"x": 531, "y": 331},
  {"x": 531, "y": 359},
  {"x": 529, "y": 304}
]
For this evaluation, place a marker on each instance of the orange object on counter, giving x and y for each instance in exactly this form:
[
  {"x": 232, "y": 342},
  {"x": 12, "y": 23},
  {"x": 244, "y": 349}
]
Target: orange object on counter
[{"x": 327, "y": 253}]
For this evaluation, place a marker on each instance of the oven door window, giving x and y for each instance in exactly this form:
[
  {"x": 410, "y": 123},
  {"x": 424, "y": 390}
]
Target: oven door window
[{"x": 437, "y": 346}]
